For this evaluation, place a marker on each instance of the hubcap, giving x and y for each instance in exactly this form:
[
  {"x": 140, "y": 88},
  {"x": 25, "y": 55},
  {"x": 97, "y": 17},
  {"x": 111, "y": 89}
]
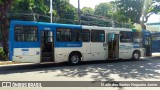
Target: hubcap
[
  {"x": 75, "y": 59},
  {"x": 136, "y": 56}
]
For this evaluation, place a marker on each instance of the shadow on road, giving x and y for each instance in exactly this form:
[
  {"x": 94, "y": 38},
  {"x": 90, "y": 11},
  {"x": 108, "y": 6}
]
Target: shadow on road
[{"x": 146, "y": 68}]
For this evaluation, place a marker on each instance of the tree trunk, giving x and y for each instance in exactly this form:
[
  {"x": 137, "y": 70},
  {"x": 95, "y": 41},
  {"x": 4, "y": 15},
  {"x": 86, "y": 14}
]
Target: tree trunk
[
  {"x": 4, "y": 7},
  {"x": 143, "y": 26},
  {"x": 4, "y": 30}
]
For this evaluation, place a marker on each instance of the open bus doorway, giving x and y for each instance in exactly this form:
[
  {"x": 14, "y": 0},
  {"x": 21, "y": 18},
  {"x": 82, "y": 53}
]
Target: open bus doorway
[
  {"x": 113, "y": 46},
  {"x": 147, "y": 42},
  {"x": 147, "y": 45},
  {"x": 47, "y": 46}
]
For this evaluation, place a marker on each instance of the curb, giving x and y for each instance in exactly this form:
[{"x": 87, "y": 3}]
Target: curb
[{"x": 8, "y": 62}]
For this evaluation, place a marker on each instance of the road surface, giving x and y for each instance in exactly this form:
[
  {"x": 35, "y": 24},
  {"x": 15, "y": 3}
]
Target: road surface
[{"x": 146, "y": 69}]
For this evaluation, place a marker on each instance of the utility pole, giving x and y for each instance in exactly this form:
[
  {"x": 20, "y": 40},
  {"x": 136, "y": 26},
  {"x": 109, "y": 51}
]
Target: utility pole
[
  {"x": 79, "y": 13},
  {"x": 51, "y": 9}
]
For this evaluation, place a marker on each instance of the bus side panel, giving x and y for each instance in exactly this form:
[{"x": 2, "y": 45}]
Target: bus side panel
[
  {"x": 98, "y": 52},
  {"x": 31, "y": 55},
  {"x": 23, "y": 51},
  {"x": 125, "y": 51},
  {"x": 62, "y": 49},
  {"x": 86, "y": 51}
]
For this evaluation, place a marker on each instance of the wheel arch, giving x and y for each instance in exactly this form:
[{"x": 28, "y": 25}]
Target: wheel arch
[
  {"x": 78, "y": 52},
  {"x": 137, "y": 51}
]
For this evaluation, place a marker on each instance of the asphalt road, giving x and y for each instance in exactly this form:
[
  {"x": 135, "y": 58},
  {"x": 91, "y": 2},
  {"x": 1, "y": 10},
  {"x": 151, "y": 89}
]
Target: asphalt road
[{"x": 146, "y": 69}]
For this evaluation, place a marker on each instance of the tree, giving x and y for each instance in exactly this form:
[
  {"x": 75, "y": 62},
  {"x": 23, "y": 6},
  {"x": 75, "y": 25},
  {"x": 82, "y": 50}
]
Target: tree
[
  {"x": 87, "y": 10},
  {"x": 65, "y": 10},
  {"x": 4, "y": 7},
  {"x": 30, "y": 8},
  {"x": 133, "y": 10},
  {"x": 150, "y": 7},
  {"x": 103, "y": 9}
]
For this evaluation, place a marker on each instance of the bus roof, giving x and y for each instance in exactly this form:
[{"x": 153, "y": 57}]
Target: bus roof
[
  {"x": 106, "y": 28},
  {"x": 41, "y": 23}
]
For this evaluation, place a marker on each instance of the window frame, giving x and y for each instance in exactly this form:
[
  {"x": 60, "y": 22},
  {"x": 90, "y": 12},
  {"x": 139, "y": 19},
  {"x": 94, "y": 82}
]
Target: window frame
[
  {"x": 61, "y": 34},
  {"x": 23, "y": 33},
  {"x": 88, "y": 36},
  {"x": 79, "y": 37},
  {"x": 125, "y": 40},
  {"x": 99, "y": 39}
]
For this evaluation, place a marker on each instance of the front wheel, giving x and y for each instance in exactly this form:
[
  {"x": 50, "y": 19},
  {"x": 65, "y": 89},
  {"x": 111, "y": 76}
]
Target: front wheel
[
  {"x": 74, "y": 59},
  {"x": 136, "y": 56}
]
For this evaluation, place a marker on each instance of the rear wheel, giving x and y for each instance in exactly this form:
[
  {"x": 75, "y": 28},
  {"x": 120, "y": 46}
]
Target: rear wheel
[
  {"x": 74, "y": 59},
  {"x": 136, "y": 55}
]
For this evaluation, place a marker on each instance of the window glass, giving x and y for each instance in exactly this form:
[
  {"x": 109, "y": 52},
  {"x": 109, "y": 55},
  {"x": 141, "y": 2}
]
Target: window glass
[
  {"x": 137, "y": 37},
  {"x": 76, "y": 35},
  {"x": 26, "y": 33},
  {"x": 126, "y": 36},
  {"x": 97, "y": 36},
  {"x": 49, "y": 36},
  {"x": 85, "y": 35},
  {"x": 63, "y": 35}
]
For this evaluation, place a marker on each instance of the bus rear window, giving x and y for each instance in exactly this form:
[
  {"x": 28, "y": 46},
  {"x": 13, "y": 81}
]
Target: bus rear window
[
  {"x": 126, "y": 37},
  {"x": 26, "y": 33}
]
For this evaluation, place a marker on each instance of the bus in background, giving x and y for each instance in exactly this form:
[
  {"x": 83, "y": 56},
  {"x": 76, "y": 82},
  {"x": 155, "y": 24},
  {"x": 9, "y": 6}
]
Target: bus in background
[
  {"x": 39, "y": 42},
  {"x": 155, "y": 32},
  {"x": 143, "y": 39}
]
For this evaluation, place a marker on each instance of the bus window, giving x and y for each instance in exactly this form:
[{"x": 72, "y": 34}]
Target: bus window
[
  {"x": 147, "y": 41},
  {"x": 85, "y": 34},
  {"x": 97, "y": 36},
  {"x": 49, "y": 36},
  {"x": 26, "y": 33},
  {"x": 75, "y": 35},
  {"x": 63, "y": 35},
  {"x": 126, "y": 37}
]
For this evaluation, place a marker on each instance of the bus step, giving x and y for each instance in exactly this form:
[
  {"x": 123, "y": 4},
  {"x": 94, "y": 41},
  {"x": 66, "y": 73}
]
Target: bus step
[
  {"x": 46, "y": 54},
  {"x": 47, "y": 59}
]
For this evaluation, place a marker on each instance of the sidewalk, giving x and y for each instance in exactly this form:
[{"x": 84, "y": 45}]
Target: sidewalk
[{"x": 8, "y": 62}]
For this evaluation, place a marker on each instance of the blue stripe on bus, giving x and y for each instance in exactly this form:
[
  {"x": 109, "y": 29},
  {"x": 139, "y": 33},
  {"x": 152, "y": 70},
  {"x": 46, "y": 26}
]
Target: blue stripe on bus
[{"x": 68, "y": 44}]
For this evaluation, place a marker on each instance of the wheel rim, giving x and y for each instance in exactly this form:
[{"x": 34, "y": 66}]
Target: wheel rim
[
  {"x": 75, "y": 59},
  {"x": 136, "y": 56}
]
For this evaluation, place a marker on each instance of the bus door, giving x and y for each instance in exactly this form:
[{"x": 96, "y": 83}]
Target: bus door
[
  {"x": 113, "y": 45},
  {"x": 147, "y": 44},
  {"x": 47, "y": 46}
]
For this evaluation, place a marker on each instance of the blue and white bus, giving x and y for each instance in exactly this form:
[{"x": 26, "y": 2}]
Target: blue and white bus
[
  {"x": 39, "y": 42},
  {"x": 143, "y": 39},
  {"x": 155, "y": 34}
]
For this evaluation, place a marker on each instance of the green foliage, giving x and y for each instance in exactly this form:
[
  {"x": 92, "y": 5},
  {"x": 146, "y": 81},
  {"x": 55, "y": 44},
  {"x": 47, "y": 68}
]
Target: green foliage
[
  {"x": 2, "y": 55},
  {"x": 61, "y": 9},
  {"x": 29, "y": 6},
  {"x": 155, "y": 7},
  {"x": 133, "y": 10},
  {"x": 65, "y": 9},
  {"x": 103, "y": 9},
  {"x": 87, "y": 10}
]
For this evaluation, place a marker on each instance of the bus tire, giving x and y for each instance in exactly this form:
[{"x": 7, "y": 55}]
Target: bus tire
[
  {"x": 74, "y": 59},
  {"x": 136, "y": 55}
]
